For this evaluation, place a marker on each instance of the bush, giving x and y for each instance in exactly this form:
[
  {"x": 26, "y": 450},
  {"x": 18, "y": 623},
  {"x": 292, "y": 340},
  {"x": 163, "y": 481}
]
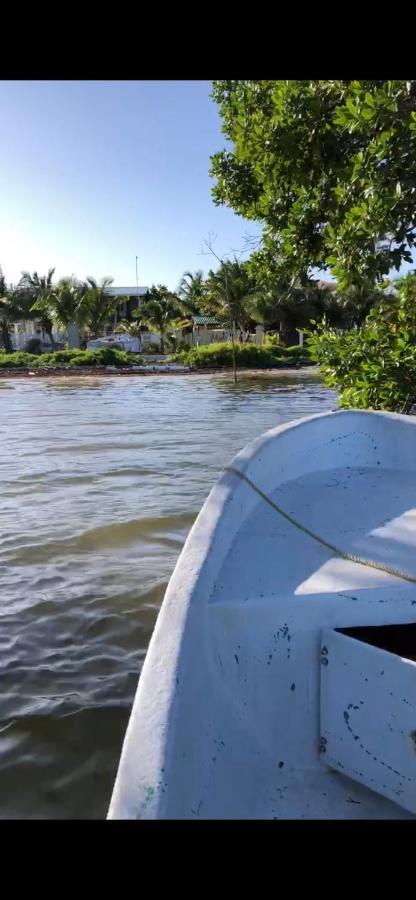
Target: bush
[
  {"x": 150, "y": 349},
  {"x": 301, "y": 354},
  {"x": 18, "y": 360},
  {"x": 176, "y": 344},
  {"x": 33, "y": 345},
  {"x": 105, "y": 356},
  {"x": 373, "y": 366},
  {"x": 250, "y": 356},
  {"x": 273, "y": 339},
  {"x": 58, "y": 357}
]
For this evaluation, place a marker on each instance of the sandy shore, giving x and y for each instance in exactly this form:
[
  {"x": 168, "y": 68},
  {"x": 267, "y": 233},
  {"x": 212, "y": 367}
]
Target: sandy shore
[{"x": 97, "y": 372}]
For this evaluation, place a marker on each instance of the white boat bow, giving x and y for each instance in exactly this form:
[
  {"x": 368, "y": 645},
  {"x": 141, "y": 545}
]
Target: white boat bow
[{"x": 256, "y": 700}]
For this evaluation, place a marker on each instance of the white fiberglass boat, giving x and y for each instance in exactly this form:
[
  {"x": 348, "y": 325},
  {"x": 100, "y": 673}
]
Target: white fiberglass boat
[{"x": 280, "y": 681}]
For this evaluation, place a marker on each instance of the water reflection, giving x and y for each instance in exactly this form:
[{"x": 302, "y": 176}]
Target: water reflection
[{"x": 270, "y": 381}]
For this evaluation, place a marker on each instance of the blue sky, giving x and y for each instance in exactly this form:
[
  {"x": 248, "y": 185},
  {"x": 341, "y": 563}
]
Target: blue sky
[{"x": 94, "y": 172}]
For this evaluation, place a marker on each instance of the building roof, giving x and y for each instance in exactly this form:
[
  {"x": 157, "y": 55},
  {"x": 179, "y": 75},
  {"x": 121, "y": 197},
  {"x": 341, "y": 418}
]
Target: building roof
[
  {"x": 327, "y": 285},
  {"x": 206, "y": 320},
  {"x": 117, "y": 291}
]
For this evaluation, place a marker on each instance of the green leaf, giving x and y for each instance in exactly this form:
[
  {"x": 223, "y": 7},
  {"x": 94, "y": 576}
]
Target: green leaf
[{"x": 351, "y": 106}]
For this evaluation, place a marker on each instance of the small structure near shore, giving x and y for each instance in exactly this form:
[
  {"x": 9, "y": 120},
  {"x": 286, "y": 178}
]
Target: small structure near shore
[{"x": 119, "y": 341}]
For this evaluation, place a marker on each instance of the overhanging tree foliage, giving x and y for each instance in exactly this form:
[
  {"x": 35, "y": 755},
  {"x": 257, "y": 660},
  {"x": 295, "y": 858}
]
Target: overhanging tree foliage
[
  {"x": 373, "y": 366},
  {"x": 328, "y": 167}
]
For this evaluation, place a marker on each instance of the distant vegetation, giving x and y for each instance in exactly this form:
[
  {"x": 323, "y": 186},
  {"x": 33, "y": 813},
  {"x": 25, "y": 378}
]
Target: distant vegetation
[{"x": 231, "y": 295}]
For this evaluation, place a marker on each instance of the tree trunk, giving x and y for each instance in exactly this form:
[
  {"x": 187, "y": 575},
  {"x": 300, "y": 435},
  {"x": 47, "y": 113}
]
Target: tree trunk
[
  {"x": 74, "y": 337},
  {"x": 51, "y": 337},
  {"x": 233, "y": 346},
  {"x": 162, "y": 342},
  {"x": 5, "y": 337},
  {"x": 288, "y": 333}
]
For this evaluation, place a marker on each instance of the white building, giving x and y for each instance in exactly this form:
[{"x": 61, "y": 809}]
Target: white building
[
  {"x": 135, "y": 297},
  {"x": 23, "y": 331},
  {"x": 208, "y": 329}
]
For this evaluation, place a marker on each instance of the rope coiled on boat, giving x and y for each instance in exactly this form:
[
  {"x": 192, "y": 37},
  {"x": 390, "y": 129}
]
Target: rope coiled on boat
[{"x": 344, "y": 554}]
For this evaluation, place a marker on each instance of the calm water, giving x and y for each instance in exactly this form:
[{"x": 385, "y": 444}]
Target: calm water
[{"x": 101, "y": 480}]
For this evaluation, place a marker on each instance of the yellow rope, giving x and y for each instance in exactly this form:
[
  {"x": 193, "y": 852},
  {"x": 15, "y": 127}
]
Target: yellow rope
[{"x": 371, "y": 563}]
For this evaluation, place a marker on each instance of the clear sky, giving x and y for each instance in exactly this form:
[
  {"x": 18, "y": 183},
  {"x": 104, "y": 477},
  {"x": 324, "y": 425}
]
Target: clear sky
[{"x": 94, "y": 172}]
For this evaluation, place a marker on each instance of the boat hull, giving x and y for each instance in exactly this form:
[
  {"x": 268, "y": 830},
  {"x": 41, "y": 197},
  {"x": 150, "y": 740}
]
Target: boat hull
[{"x": 226, "y": 718}]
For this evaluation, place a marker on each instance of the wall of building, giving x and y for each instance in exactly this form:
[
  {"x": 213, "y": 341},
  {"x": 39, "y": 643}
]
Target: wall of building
[{"x": 22, "y": 332}]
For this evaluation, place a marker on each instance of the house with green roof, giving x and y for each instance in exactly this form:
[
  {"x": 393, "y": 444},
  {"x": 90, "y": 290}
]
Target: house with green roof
[{"x": 206, "y": 330}]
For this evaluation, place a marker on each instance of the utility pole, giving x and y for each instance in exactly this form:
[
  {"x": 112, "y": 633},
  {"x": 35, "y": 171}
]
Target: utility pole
[{"x": 138, "y": 301}]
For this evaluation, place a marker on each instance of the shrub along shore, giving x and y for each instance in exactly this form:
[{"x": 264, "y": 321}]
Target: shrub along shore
[
  {"x": 247, "y": 356},
  {"x": 210, "y": 357}
]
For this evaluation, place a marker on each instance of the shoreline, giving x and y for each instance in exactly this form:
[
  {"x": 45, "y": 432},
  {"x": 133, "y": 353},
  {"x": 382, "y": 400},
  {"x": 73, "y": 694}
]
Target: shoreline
[{"x": 99, "y": 372}]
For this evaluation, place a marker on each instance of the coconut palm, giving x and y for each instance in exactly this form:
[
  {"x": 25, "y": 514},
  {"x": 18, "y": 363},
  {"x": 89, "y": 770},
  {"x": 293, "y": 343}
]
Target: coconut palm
[
  {"x": 13, "y": 307},
  {"x": 290, "y": 308},
  {"x": 65, "y": 303},
  {"x": 39, "y": 288},
  {"x": 350, "y": 307},
  {"x": 131, "y": 328},
  {"x": 99, "y": 305},
  {"x": 160, "y": 311},
  {"x": 191, "y": 291},
  {"x": 227, "y": 292}
]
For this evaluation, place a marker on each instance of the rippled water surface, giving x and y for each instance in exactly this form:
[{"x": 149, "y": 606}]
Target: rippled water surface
[{"x": 101, "y": 479}]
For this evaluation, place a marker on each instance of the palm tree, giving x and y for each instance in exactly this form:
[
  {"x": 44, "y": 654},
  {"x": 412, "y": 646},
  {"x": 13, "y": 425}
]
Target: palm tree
[
  {"x": 65, "y": 303},
  {"x": 131, "y": 328},
  {"x": 289, "y": 307},
  {"x": 292, "y": 307},
  {"x": 226, "y": 293},
  {"x": 13, "y": 307},
  {"x": 352, "y": 306},
  {"x": 39, "y": 288},
  {"x": 159, "y": 311},
  {"x": 99, "y": 305},
  {"x": 191, "y": 291}
]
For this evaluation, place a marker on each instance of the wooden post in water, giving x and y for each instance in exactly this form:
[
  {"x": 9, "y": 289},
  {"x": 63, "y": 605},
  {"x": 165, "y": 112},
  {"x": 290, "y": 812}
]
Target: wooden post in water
[
  {"x": 233, "y": 346},
  {"x": 224, "y": 263},
  {"x": 227, "y": 297}
]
